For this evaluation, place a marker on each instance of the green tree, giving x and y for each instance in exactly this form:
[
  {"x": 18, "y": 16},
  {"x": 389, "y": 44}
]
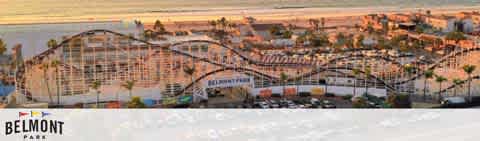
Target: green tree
[
  {"x": 275, "y": 30},
  {"x": 322, "y": 22},
  {"x": 45, "y": 67},
  {"x": 409, "y": 69},
  {"x": 190, "y": 71},
  {"x": 147, "y": 34},
  {"x": 317, "y": 41},
  {"x": 356, "y": 72},
  {"x": 437, "y": 42},
  {"x": 469, "y": 69},
  {"x": 399, "y": 101},
  {"x": 359, "y": 42},
  {"x": 287, "y": 34},
  {"x": 52, "y": 43},
  {"x": 370, "y": 29},
  {"x": 159, "y": 27},
  {"x": 314, "y": 23},
  {"x": 360, "y": 102},
  {"x": 129, "y": 84},
  {"x": 222, "y": 22},
  {"x": 419, "y": 29},
  {"x": 136, "y": 102},
  {"x": 367, "y": 72},
  {"x": 456, "y": 36},
  {"x": 55, "y": 63},
  {"x": 283, "y": 78},
  {"x": 213, "y": 23},
  {"x": 456, "y": 82},
  {"x": 428, "y": 75},
  {"x": 440, "y": 79},
  {"x": 96, "y": 85},
  {"x": 3, "y": 47}
]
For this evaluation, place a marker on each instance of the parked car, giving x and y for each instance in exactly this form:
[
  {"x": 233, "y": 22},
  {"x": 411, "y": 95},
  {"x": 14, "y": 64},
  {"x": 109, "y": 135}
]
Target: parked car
[
  {"x": 314, "y": 101},
  {"x": 328, "y": 104},
  {"x": 373, "y": 105},
  {"x": 453, "y": 102},
  {"x": 273, "y": 104},
  {"x": 262, "y": 104}
]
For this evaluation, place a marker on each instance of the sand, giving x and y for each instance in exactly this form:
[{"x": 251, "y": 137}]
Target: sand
[{"x": 260, "y": 14}]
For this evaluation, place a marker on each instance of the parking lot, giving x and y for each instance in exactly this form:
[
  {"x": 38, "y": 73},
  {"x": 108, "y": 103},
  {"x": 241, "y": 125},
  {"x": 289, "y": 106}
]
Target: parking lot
[{"x": 290, "y": 102}]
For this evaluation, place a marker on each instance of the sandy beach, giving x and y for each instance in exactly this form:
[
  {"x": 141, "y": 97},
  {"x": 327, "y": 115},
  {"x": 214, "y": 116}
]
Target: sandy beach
[
  {"x": 298, "y": 17},
  {"x": 259, "y": 14}
]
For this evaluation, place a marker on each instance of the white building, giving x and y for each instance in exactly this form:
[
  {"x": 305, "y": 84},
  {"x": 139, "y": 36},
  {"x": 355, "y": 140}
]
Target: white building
[{"x": 442, "y": 23}]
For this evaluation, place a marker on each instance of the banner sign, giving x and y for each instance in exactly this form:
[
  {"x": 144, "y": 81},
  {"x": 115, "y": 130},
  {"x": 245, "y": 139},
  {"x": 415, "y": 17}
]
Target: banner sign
[
  {"x": 229, "y": 82},
  {"x": 185, "y": 99},
  {"x": 169, "y": 101}
]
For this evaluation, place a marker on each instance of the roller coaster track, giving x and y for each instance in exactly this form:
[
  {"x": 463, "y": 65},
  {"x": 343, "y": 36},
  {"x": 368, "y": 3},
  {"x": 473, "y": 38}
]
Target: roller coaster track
[
  {"x": 437, "y": 64},
  {"x": 276, "y": 79},
  {"x": 324, "y": 67},
  {"x": 455, "y": 85},
  {"x": 387, "y": 58}
]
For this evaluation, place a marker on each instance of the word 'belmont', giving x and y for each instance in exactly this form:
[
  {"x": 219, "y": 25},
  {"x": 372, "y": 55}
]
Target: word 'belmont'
[{"x": 34, "y": 126}]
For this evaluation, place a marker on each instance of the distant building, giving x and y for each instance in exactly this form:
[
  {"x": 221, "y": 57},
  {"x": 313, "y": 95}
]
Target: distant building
[
  {"x": 400, "y": 18},
  {"x": 475, "y": 16},
  {"x": 261, "y": 32},
  {"x": 467, "y": 21},
  {"x": 442, "y": 23}
]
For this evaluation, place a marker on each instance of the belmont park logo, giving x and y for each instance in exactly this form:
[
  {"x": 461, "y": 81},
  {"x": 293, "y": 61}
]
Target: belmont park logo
[{"x": 34, "y": 125}]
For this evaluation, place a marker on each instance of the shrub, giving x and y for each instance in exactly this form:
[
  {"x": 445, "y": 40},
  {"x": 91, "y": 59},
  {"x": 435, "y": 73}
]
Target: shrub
[
  {"x": 136, "y": 102},
  {"x": 360, "y": 102},
  {"x": 399, "y": 101},
  {"x": 329, "y": 95},
  {"x": 347, "y": 97}
]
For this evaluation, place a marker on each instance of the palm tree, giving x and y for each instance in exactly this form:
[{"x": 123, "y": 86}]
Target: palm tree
[
  {"x": 45, "y": 67},
  {"x": 52, "y": 43},
  {"x": 314, "y": 23},
  {"x": 159, "y": 27},
  {"x": 437, "y": 42},
  {"x": 190, "y": 71},
  {"x": 3, "y": 47},
  {"x": 409, "y": 70},
  {"x": 96, "y": 85},
  {"x": 355, "y": 73},
  {"x": 223, "y": 22},
  {"x": 359, "y": 42},
  {"x": 55, "y": 64},
  {"x": 147, "y": 34},
  {"x": 129, "y": 86},
  {"x": 322, "y": 22},
  {"x": 456, "y": 36},
  {"x": 456, "y": 82},
  {"x": 469, "y": 69},
  {"x": 428, "y": 75},
  {"x": 367, "y": 73},
  {"x": 440, "y": 79},
  {"x": 213, "y": 23},
  {"x": 283, "y": 78}
]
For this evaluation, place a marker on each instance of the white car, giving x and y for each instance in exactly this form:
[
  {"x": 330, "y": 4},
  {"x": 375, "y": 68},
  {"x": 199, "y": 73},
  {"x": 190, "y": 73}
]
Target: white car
[
  {"x": 264, "y": 105},
  {"x": 314, "y": 101},
  {"x": 292, "y": 106}
]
